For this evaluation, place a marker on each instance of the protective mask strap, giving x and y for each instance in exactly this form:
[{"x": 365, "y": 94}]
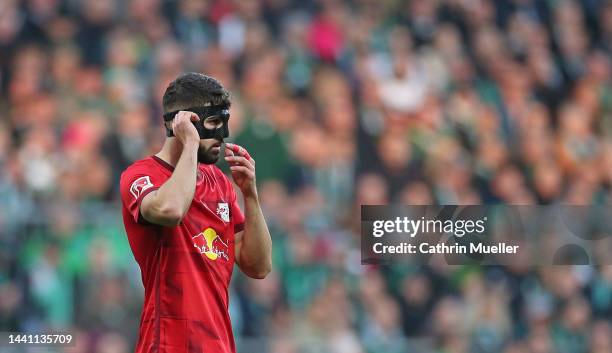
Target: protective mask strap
[{"x": 204, "y": 112}]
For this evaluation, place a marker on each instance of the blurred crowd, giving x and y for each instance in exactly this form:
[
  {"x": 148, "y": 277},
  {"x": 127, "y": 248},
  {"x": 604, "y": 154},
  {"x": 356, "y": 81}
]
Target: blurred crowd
[{"x": 342, "y": 103}]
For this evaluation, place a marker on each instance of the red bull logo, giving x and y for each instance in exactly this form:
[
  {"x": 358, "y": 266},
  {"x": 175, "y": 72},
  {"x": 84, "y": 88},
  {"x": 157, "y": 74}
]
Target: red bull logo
[{"x": 210, "y": 244}]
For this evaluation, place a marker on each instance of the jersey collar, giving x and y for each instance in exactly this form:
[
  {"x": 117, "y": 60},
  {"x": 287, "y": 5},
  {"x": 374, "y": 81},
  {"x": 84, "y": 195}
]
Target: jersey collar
[{"x": 163, "y": 163}]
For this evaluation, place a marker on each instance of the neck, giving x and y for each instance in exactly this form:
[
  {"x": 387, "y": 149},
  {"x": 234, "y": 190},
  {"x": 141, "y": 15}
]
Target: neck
[{"x": 170, "y": 151}]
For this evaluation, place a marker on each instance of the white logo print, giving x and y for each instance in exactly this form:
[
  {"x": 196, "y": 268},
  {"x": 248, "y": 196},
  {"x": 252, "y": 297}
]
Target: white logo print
[
  {"x": 139, "y": 185},
  {"x": 223, "y": 211}
]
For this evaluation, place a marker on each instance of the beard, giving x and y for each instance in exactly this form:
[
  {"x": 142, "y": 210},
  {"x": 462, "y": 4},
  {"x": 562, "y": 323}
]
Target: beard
[{"x": 207, "y": 156}]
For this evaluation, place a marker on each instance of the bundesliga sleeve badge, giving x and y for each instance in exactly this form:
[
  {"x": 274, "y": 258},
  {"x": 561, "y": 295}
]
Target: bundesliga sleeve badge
[{"x": 139, "y": 185}]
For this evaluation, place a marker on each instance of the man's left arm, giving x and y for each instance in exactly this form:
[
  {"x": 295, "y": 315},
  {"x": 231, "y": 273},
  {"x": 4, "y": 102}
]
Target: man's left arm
[{"x": 253, "y": 245}]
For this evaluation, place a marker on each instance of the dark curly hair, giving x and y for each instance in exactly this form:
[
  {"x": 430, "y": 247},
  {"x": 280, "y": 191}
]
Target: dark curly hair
[{"x": 194, "y": 89}]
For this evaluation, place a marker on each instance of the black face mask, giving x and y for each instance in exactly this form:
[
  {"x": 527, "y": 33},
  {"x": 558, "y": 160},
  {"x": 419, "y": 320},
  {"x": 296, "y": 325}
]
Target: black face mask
[{"x": 220, "y": 111}]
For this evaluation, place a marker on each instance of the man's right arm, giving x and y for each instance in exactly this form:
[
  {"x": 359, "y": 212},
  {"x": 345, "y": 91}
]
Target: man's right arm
[{"x": 168, "y": 205}]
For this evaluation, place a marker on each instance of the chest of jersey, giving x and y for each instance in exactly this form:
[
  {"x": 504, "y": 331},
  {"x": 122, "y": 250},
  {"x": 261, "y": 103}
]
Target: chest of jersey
[{"x": 205, "y": 239}]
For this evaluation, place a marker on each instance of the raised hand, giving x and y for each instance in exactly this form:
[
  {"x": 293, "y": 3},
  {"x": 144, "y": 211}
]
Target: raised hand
[
  {"x": 242, "y": 167},
  {"x": 183, "y": 127}
]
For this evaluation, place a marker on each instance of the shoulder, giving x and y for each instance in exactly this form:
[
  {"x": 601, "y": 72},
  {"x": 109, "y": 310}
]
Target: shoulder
[
  {"x": 140, "y": 178},
  {"x": 140, "y": 167},
  {"x": 147, "y": 164}
]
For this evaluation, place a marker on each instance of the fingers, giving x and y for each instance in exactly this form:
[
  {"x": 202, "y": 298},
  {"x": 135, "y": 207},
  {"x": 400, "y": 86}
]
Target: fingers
[
  {"x": 238, "y": 150},
  {"x": 244, "y": 170},
  {"x": 238, "y": 154},
  {"x": 182, "y": 126},
  {"x": 239, "y": 160},
  {"x": 187, "y": 115},
  {"x": 184, "y": 116}
]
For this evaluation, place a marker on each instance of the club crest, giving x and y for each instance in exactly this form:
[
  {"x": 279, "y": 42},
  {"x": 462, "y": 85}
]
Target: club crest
[{"x": 223, "y": 211}]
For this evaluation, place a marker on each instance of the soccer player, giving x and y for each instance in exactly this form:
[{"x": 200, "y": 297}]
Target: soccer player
[{"x": 185, "y": 227}]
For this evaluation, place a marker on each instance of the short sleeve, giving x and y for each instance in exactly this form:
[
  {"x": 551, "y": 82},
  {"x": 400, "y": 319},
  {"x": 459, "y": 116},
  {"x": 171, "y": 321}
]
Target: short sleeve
[
  {"x": 237, "y": 217},
  {"x": 236, "y": 213},
  {"x": 135, "y": 185}
]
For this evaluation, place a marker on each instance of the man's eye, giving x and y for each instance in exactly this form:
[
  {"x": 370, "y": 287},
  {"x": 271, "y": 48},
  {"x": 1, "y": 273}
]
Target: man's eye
[{"x": 214, "y": 122}]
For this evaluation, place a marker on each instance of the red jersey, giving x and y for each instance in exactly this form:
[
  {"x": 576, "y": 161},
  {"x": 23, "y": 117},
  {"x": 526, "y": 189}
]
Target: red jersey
[{"x": 185, "y": 269}]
